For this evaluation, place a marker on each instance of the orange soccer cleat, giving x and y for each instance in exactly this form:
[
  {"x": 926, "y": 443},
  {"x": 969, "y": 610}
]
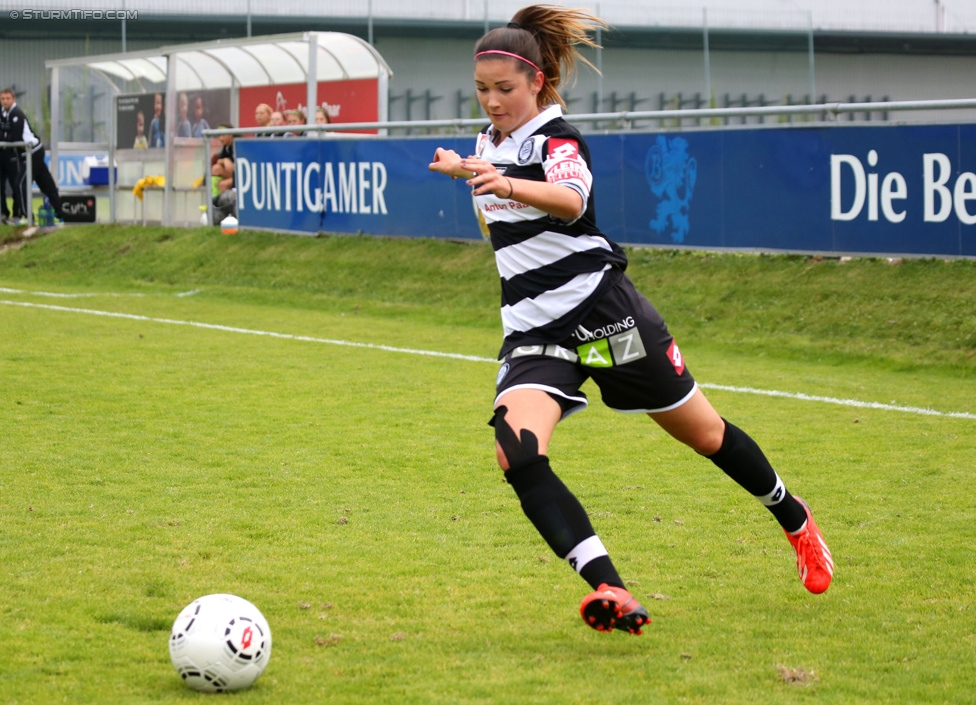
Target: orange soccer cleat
[
  {"x": 613, "y": 608},
  {"x": 813, "y": 560}
]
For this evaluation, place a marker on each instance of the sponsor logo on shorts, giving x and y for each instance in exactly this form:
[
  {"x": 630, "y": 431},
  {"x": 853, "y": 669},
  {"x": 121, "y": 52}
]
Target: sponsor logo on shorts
[
  {"x": 596, "y": 354},
  {"x": 525, "y": 151},
  {"x": 547, "y": 350},
  {"x": 620, "y": 349},
  {"x": 583, "y": 335},
  {"x": 502, "y": 371},
  {"x": 675, "y": 358}
]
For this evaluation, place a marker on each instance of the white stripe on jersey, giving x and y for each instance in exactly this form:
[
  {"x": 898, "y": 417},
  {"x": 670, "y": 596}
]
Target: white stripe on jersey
[
  {"x": 543, "y": 249},
  {"x": 528, "y": 314}
]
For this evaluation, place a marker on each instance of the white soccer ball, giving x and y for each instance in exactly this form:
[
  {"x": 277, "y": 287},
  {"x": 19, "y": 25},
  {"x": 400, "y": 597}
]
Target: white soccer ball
[{"x": 220, "y": 643}]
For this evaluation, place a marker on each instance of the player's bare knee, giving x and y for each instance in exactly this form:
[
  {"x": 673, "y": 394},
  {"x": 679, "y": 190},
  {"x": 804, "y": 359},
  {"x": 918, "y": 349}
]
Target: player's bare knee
[
  {"x": 708, "y": 440},
  {"x": 500, "y": 456},
  {"x": 512, "y": 448}
]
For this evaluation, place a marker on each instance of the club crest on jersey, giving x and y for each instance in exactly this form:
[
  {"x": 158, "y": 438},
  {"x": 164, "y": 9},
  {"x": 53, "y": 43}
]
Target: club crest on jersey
[
  {"x": 482, "y": 141},
  {"x": 525, "y": 151},
  {"x": 563, "y": 149}
]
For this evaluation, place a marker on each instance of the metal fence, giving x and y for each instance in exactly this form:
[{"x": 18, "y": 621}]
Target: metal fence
[{"x": 632, "y": 120}]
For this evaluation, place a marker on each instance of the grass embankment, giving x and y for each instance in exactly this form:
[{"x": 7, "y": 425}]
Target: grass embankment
[{"x": 911, "y": 314}]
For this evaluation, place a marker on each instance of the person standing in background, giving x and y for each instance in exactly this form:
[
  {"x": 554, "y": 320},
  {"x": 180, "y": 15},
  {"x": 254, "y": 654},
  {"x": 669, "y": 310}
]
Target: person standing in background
[{"x": 14, "y": 127}]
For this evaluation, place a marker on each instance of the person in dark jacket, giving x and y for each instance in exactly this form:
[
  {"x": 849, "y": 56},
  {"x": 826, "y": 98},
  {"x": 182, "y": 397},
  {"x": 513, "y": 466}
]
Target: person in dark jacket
[{"x": 15, "y": 127}]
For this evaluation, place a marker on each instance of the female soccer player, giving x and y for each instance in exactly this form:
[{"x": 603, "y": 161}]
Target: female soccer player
[{"x": 570, "y": 313}]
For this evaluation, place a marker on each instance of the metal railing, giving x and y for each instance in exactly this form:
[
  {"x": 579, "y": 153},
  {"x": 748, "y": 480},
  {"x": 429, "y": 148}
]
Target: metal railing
[
  {"x": 27, "y": 195},
  {"x": 624, "y": 119}
]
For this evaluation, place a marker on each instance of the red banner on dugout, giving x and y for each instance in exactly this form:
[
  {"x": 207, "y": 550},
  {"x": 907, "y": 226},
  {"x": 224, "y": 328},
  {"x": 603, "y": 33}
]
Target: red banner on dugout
[{"x": 355, "y": 100}]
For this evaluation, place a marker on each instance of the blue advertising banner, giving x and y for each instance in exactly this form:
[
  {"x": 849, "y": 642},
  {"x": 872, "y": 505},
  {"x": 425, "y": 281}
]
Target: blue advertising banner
[
  {"x": 890, "y": 189},
  {"x": 372, "y": 186}
]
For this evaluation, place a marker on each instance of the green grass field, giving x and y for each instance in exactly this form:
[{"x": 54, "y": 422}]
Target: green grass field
[{"x": 351, "y": 493}]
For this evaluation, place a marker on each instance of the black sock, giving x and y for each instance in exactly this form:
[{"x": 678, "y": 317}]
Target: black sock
[
  {"x": 599, "y": 571},
  {"x": 742, "y": 460},
  {"x": 561, "y": 520}
]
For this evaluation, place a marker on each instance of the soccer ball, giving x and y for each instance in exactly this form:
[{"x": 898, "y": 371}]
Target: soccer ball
[{"x": 220, "y": 643}]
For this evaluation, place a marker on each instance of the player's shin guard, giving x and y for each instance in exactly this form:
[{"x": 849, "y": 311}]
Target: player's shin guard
[
  {"x": 561, "y": 520},
  {"x": 742, "y": 460}
]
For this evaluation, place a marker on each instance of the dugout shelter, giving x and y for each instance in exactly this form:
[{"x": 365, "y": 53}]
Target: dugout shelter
[{"x": 152, "y": 106}]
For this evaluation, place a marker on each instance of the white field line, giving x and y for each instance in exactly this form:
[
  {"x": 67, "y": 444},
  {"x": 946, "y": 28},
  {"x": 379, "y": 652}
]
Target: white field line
[
  {"x": 55, "y": 295},
  {"x": 842, "y": 402},
  {"x": 58, "y": 295},
  {"x": 472, "y": 358},
  {"x": 248, "y": 331}
]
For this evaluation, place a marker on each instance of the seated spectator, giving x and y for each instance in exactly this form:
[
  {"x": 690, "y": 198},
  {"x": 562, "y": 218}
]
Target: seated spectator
[
  {"x": 322, "y": 118},
  {"x": 262, "y": 116},
  {"x": 278, "y": 120},
  {"x": 295, "y": 118},
  {"x": 222, "y": 168},
  {"x": 222, "y": 163}
]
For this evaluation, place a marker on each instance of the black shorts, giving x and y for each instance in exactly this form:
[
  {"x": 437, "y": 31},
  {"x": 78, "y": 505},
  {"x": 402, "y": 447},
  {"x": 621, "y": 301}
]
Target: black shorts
[{"x": 623, "y": 344}]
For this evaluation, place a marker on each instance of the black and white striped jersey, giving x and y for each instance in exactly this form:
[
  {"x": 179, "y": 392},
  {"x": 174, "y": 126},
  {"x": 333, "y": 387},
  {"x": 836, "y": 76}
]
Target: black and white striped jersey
[{"x": 552, "y": 271}]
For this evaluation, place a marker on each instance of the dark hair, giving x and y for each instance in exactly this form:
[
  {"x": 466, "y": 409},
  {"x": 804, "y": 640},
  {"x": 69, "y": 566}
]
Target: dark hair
[
  {"x": 8, "y": 90},
  {"x": 547, "y": 36}
]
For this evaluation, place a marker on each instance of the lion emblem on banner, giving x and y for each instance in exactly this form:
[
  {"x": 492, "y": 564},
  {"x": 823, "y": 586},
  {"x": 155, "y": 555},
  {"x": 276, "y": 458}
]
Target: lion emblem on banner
[{"x": 671, "y": 174}]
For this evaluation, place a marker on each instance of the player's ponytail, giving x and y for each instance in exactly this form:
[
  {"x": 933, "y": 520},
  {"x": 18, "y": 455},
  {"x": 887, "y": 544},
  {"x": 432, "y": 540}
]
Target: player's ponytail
[{"x": 544, "y": 37}]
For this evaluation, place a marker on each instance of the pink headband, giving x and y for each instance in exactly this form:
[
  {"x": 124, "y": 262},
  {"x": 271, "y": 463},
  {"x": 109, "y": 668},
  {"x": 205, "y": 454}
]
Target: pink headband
[{"x": 508, "y": 53}]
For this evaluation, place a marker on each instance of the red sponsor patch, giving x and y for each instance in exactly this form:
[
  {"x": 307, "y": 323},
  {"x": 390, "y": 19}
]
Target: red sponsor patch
[
  {"x": 565, "y": 171},
  {"x": 246, "y": 637},
  {"x": 563, "y": 149},
  {"x": 675, "y": 358}
]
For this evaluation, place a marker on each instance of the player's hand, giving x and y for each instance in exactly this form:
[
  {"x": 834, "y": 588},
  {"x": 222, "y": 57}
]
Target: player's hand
[
  {"x": 486, "y": 178},
  {"x": 446, "y": 161}
]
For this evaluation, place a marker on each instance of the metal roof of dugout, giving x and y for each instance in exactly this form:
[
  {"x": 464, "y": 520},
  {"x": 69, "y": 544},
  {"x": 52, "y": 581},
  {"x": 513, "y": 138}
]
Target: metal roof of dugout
[{"x": 305, "y": 57}]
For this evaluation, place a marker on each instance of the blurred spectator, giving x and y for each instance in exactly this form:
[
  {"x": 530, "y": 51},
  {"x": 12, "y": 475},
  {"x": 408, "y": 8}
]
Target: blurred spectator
[
  {"x": 223, "y": 162},
  {"x": 278, "y": 120},
  {"x": 225, "y": 201},
  {"x": 262, "y": 116},
  {"x": 322, "y": 118},
  {"x": 294, "y": 119}
]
